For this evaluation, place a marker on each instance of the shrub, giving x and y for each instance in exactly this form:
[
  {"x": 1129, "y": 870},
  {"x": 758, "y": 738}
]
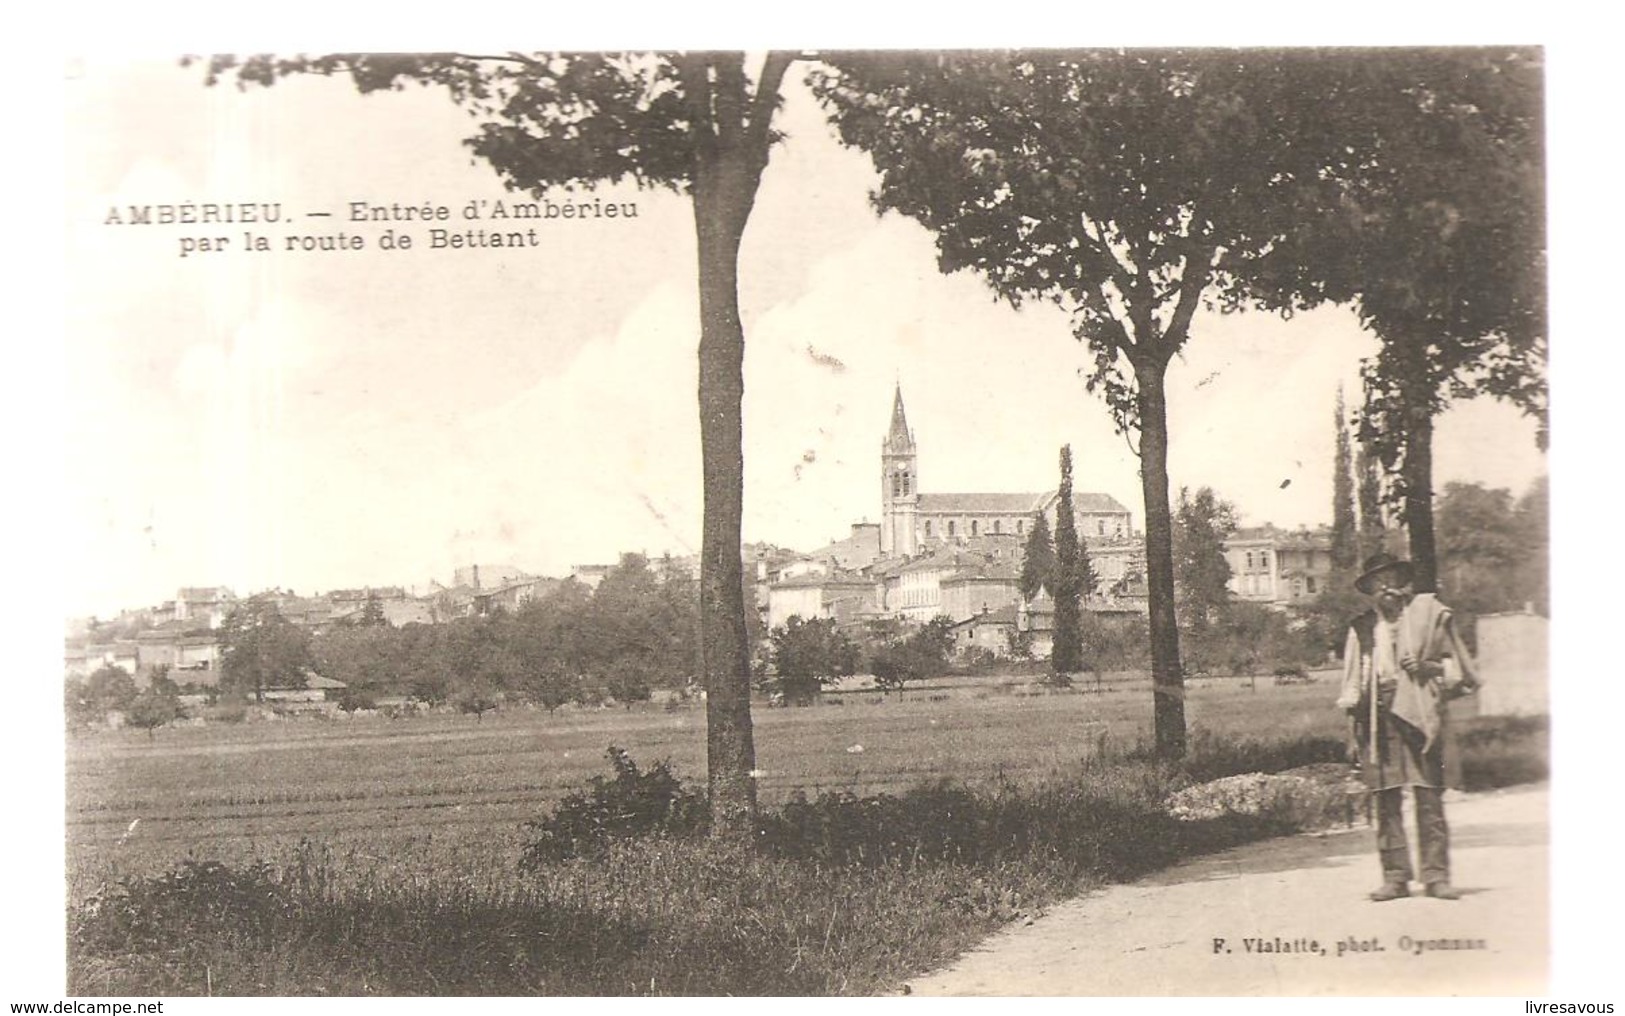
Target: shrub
[
  {"x": 634, "y": 803},
  {"x": 356, "y": 697},
  {"x": 1209, "y": 756},
  {"x": 144, "y": 912}
]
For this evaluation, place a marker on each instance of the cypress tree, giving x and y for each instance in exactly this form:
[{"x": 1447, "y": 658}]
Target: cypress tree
[
  {"x": 1068, "y": 588},
  {"x": 1345, "y": 542}
]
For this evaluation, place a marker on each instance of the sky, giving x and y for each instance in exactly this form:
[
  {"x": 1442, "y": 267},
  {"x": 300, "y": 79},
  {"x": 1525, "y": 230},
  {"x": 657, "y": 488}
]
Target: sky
[{"x": 321, "y": 419}]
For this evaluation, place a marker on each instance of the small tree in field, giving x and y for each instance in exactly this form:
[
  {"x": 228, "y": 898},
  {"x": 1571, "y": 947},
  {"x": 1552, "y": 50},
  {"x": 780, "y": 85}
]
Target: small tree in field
[
  {"x": 154, "y": 707},
  {"x": 918, "y": 655},
  {"x": 111, "y": 688},
  {"x": 806, "y": 655}
]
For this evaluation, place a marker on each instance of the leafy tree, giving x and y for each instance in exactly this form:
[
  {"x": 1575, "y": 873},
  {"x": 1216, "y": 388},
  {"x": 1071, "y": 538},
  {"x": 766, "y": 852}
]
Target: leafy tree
[
  {"x": 1038, "y": 559},
  {"x": 261, "y": 649},
  {"x": 352, "y": 698},
  {"x": 697, "y": 123},
  {"x": 110, "y": 689},
  {"x": 1129, "y": 188},
  {"x": 808, "y": 654},
  {"x": 1345, "y": 538},
  {"x": 1201, "y": 525},
  {"x": 1481, "y": 548},
  {"x": 363, "y": 656},
  {"x": 479, "y": 697},
  {"x": 1067, "y": 657},
  {"x": 549, "y": 634},
  {"x": 1441, "y": 237},
  {"x": 372, "y": 612},
  {"x": 1116, "y": 643},
  {"x": 1019, "y": 644},
  {"x": 913, "y": 656},
  {"x": 629, "y": 680},
  {"x": 1533, "y": 516},
  {"x": 154, "y": 706}
]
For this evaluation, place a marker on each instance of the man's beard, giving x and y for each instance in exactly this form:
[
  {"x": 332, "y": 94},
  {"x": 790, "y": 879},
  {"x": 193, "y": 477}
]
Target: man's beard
[{"x": 1391, "y": 602}]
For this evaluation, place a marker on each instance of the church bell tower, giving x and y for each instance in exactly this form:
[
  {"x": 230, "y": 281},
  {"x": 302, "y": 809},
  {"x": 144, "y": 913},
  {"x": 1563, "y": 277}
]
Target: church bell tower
[{"x": 899, "y": 487}]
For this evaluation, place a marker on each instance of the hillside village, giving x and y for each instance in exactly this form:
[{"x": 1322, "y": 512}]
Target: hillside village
[{"x": 954, "y": 555}]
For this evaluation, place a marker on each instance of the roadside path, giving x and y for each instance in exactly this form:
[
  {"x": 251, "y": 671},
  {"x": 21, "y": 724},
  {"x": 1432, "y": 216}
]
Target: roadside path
[{"x": 1203, "y": 927}]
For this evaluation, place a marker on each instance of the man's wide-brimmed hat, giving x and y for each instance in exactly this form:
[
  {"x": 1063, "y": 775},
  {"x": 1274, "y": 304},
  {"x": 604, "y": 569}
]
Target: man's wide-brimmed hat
[{"x": 1378, "y": 563}]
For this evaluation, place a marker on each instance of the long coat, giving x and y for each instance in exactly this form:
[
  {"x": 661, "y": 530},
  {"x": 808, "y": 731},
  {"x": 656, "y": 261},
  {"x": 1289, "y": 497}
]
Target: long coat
[{"x": 1413, "y": 743}]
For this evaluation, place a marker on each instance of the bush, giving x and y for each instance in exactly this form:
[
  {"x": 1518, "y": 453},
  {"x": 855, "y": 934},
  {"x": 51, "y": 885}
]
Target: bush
[
  {"x": 145, "y": 912},
  {"x": 1210, "y": 757},
  {"x": 356, "y": 697},
  {"x": 635, "y": 803}
]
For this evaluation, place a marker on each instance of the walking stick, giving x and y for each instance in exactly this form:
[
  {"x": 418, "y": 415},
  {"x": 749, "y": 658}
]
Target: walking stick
[{"x": 1375, "y": 758}]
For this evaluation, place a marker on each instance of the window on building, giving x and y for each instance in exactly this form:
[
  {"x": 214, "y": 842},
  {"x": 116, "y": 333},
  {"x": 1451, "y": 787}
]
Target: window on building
[
  {"x": 996, "y": 527},
  {"x": 927, "y": 527},
  {"x": 950, "y": 527},
  {"x": 1249, "y": 560},
  {"x": 1102, "y": 527},
  {"x": 1310, "y": 583},
  {"x": 908, "y": 482},
  {"x": 973, "y": 527},
  {"x": 1263, "y": 559},
  {"x": 1021, "y": 527}
]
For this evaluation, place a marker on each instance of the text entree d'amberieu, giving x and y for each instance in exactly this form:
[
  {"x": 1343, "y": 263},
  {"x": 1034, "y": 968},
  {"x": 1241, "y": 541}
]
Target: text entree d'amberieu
[{"x": 189, "y": 213}]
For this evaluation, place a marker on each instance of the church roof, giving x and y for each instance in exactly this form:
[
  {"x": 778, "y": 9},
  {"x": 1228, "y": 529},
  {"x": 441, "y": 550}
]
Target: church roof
[
  {"x": 1016, "y": 504},
  {"x": 1007, "y": 504},
  {"x": 898, "y": 439},
  {"x": 1087, "y": 501}
]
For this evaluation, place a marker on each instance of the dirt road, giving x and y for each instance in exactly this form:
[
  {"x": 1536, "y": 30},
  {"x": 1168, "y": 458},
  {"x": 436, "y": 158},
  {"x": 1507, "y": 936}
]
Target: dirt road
[{"x": 1290, "y": 917}]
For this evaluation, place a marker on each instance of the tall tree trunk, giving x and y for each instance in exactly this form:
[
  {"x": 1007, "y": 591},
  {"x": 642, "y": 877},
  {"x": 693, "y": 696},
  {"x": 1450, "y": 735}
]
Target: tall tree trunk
[
  {"x": 725, "y": 655},
  {"x": 1418, "y": 473},
  {"x": 1167, "y": 677}
]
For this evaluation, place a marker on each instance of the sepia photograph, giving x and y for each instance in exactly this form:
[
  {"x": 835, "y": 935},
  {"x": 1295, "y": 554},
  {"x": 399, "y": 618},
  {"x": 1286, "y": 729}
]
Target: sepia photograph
[{"x": 814, "y": 522}]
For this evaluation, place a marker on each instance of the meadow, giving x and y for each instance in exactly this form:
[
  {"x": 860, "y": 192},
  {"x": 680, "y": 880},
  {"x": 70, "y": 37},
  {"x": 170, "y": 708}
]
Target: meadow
[
  {"x": 450, "y": 784},
  {"x": 384, "y": 856}
]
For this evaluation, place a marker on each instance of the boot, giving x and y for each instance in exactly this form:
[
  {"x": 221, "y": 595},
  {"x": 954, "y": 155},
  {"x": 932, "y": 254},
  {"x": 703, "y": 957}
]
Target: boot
[
  {"x": 1391, "y": 891},
  {"x": 1443, "y": 891}
]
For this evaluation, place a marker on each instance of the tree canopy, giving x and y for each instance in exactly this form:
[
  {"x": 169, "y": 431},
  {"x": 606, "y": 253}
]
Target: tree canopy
[
  {"x": 1037, "y": 558},
  {"x": 1131, "y": 189},
  {"x": 1441, "y": 239},
  {"x": 700, "y": 124},
  {"x": 261, "y": 650},
  {"x": 808, "y": 654},
  {"x": 1202, "y": 523}
]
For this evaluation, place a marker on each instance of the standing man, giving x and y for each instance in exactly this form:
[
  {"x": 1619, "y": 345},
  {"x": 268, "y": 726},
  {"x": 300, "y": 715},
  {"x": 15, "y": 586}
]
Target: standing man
[{"x": 1405, "y": 649}]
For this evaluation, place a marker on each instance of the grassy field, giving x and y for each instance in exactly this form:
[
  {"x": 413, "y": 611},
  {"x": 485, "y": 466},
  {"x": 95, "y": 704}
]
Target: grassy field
[
  {"x": 451, "y": 788},
  {"x": 377, "y": 856}
]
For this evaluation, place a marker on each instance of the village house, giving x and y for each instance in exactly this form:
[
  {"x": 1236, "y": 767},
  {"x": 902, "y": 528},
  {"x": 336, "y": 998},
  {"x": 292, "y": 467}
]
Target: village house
[{"x": 1280, "y": 567}]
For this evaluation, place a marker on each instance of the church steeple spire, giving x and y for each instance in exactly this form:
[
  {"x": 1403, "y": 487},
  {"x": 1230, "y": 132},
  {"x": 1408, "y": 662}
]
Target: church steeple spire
[
  {"x": 898, "y": 440},
  {"x": 899, "y": 485}
]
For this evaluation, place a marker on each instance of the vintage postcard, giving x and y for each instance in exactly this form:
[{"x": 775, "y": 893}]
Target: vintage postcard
[{"x": 807, "y": 523}]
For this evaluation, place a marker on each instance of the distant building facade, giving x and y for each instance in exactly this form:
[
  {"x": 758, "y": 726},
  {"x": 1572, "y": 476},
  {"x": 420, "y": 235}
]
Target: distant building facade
[{"x": 1281, "y": 567}]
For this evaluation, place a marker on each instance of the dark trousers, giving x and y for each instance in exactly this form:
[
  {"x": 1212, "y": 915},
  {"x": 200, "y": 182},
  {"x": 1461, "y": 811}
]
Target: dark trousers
[{"x": 1432, "y": 834}]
